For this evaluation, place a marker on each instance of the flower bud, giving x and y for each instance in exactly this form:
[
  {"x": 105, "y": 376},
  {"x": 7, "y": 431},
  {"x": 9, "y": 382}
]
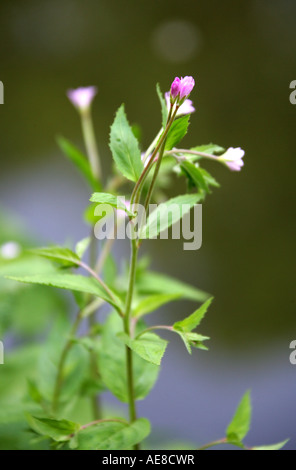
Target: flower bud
[{"x": 82, "y": 97}]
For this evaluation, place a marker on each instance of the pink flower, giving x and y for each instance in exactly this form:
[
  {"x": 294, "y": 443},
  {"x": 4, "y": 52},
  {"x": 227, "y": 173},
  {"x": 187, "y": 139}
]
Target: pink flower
[
  {"x": 185, "y": 108},
  {"x": 82, "y": 97},
  {"x": 233, "y": 158},
  {"x": 181, "y": 89},
  {"x": 186, "y": 87},
  {"x": 175, "y": 89}
]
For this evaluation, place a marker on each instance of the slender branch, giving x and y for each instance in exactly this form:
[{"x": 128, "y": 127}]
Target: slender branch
[
  {"x": 101, "y": 282},
  {"x": 147, "y": 168},
  {"x": 214, "y": 443},
  {"x": 156, "y": 327},
  {"x": 91, "y": 144},
  {"x": 63, "y": 357},
  {"x": 192, "y": 152}
]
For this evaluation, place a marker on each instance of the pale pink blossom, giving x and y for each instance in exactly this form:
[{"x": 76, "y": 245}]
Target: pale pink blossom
[
  {"x": 233, "y": 158},
  {"x": 82, "y": 97}
]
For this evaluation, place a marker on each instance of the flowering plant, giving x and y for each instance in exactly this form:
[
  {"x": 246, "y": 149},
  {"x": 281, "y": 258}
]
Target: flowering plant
[{"x": 123, "y": 353}]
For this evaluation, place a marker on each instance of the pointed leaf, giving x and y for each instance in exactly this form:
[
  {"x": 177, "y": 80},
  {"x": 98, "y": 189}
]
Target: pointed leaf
[
  {"x": 70, "y": 282},
  {"x": 277, "y": 446},
  {"x": 168, "y": 213},
  {"x": 112, "y": 364},
  {"x": 58, "y": 430},
  {"x": 80, "y": 161},
  {"x": 150, "y": 282},
  {"x": 113, "y": 435},
  {"x": 177, "y": 131},
  {"x": 82, "y": 246},
  {"x": 191, "y": 322},
  {"x": 240, "y": 423},
  {"x": 149, "y": 346},
  {"x": 114, "y": 201},
  {"x": 195, "y": 175},
  {"x": 153, "y": 302},
  {"x": 64, "y": 256},
  {"x": 124, "y": 147}
]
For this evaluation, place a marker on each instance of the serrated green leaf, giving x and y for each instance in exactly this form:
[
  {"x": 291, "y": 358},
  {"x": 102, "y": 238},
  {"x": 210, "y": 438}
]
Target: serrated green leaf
[
  {"x": 150, "y": 282},
  {"x": 64, "y": 256},
  {"x": 177, "y": 131},
  {"x": 240, "y": 423},
  {"x": 82, "y": 246},
  {"x": 153, "y": 302},
  {"x": 124, "y": 147},
  {"x": 58, "y": 430},
  {"x": 168, "y": 213},
  {"x": 114, "y": 201},
  {"x": 68, "y": 281},
  {"x": 80, "y": 161},
  {"x": 164, "y": 110},
  {"x": 195, "y": 175},
  {"x": 112, "y": 363},
  {"x": 191, "y": 322},
  {"x": 277, "y": 446},
  {"x": 193, "y": 339},
  {"x": 113, "y": 435},
  {"x": 149, "y": 346}
]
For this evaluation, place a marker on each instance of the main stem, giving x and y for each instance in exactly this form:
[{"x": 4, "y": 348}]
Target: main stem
[
  {"x": 127, "y": 329},
  {"x": 95, "y": 400}
]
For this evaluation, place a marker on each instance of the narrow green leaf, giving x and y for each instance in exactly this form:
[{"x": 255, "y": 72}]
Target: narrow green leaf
[
  {"x": 191, "y": 322},
  {"x": 58, "y": 430},
  {"x": 124, "y": 147},
  {"x": 112, "y": 363},
  {"x": 80, "y": 161},
  {"x": 209, "y": 179},
  {"x": 153, "y": 302},
  {"x": 240, "y": 423},
  {"x": 82, "y": 246},
  {"x": 168, "y": 213},
  {"x": 64, "y": 256},
  {"x": 113, "y": 435},
  {"x": 192, "y": 339},
  {"x": 277, "y": 446},
  {"x": 149, "y": 346},
  {"x": 164, "y": 110},
  {"x": 151, "y": 282},
  {"x": 70, "y": 282},
  {"x": 195, "y": 175},
  {"x": 114, "y": 201},
  {"x": 177, "y": 131}
]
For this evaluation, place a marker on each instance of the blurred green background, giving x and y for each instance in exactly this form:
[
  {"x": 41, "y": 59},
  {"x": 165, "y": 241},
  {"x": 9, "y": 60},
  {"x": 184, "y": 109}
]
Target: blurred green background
[{"x": 243, "y": 57}]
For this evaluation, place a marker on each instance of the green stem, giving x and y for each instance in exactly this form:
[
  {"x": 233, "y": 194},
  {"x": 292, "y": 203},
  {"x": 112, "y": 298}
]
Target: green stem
[
  {"x": 192, "y": 152},
  {"x": 146, "y": 170},
  {"x": 212, "y": 444},
  {"x": 90, "y": 143},
  {"x": 127, "y": 329},
  {"x": 94, "y": 372},
  {"x": 61, "y": 364}
]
